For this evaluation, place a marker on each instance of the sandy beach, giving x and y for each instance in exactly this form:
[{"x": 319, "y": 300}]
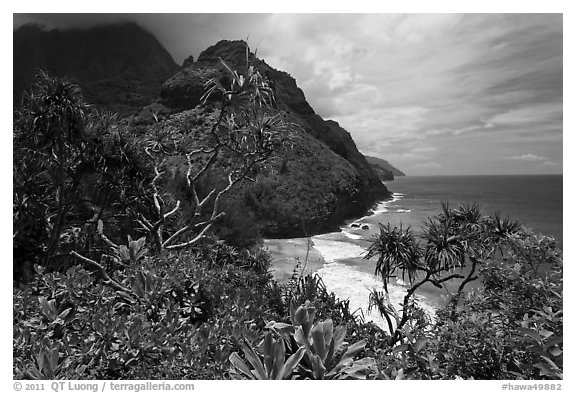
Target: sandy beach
[{"x": 290, "y": 254}]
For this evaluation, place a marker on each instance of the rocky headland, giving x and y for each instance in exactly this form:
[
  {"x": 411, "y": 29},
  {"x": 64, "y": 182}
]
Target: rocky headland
[{"x": 309, "y": 186}]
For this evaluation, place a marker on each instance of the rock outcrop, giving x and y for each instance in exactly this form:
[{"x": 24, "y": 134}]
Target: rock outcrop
[
  {"x": 308, "y": 187},
  {"x": 291, "y": 99}
]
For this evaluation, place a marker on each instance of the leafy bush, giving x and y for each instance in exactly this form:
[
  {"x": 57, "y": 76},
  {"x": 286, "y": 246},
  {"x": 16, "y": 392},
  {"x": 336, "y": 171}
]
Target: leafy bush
[
  {"x": 178, "y": 315},
  {"x": 317, "y": 351}
]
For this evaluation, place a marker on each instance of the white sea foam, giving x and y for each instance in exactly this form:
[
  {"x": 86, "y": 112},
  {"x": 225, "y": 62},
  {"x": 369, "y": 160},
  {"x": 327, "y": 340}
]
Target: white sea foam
[
  {"x": 350, "y": 235},
  {"x": 350, "y": 283},
  {"x": 382, "y": 207},
  {"x": 333, "y": 250}
]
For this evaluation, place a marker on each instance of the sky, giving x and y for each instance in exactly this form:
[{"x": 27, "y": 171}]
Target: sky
[{"x": 434, "y": 94}]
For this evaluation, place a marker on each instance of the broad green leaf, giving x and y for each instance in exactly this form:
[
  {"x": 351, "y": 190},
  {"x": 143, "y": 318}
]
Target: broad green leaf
[
  {"x": 54, "y": 357},
  {"x": 279, "y": 355},
  {"x": 554, "y": 341},
  {"x": 328, "y": 330},
  {"x": 268, "y": 349},
  {"x": 254, "y": 360},
  {"x": 354, "y": 349},
  {"x": 239, "y": 364},
  {"x": 555, "y": 351},
  {"x": 300, "y": 316},
  {"x": 545, "y": 333},
  {"x": 530, "y": 332},
  {"x": 339, "y": 336},
  {"x": 300, "y": 338},
  {"x": 64, "y": 314},
  {"x": 291, "y": 364},
  {"x": 317, "y": 366},
  {"x": 330, "y": 354},
  {"x": 318, "y": 344},
  {"x": 400, "y": 375},
  {"x": 420, "y": 343},
  {"x": 359, "y": 369}
]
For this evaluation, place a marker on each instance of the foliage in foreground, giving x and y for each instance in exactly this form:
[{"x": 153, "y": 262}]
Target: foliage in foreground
[
  {"x": 511, "y": 327},
  {"x": 132, "y": 283},
  {"x": 215, "y": 313}
]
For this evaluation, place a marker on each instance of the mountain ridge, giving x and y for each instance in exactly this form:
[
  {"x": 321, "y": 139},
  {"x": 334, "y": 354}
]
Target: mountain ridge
[
  {"x": 311, "y": 188},
  {"x": 384, "y": 168},
  {"x": 119, "y": 66}
]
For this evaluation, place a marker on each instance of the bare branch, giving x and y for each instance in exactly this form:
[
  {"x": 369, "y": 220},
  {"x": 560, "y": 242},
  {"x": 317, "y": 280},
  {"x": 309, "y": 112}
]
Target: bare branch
[
  {"x": 172, "y": 211},
  {"x": 176, "y": 234},
  {"x": 447, "y": 278},
  {"x": 192, "y": 180},
  {"x": 104, "y": 237},
  {"x": 144, "y": 222},
  {"x": 107, "y": 279},
  {"x": 204, "y": 201},
  {"x": 191, "y": 242}
]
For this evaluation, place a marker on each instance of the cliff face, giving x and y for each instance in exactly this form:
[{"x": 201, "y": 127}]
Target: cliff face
[
  {"x": 291, "y": 99},
  {"x": 384, "y": 168},
  {"x": 120, "y": 67},
  {"x": 330, "y": 182},
  {"x": 308, "y": 187}
]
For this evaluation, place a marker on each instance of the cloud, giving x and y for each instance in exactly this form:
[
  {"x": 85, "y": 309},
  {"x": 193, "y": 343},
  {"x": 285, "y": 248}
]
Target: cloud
[
  {"x": 428, "y": 165},
  {"x": 549, "y": 164},
  {"x": 534, "y": 114},
  {"x": 527, "y": 157},
  {"x": 473, "y": 87}
]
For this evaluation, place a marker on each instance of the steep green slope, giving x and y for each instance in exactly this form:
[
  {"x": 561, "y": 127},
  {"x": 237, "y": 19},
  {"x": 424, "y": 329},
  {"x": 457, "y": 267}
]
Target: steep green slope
[
  {"x": 321, "y": 180},
  {"x": 312, "y": 184},
  {"x": 117, "y": 66},
  {"x": 382, "y": 166}
]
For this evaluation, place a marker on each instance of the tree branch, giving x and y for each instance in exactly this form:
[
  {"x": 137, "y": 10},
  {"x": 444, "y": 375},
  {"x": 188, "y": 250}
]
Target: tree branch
[{"x": 107, "y": 279}]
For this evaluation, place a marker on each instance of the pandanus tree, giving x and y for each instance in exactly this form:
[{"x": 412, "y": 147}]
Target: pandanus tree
[
  {"x": 48, "y": 144},
  {"x": 248, "y": 129},
  {"x": 245, "y": 132},
  {"x": 454, "y": 239}
]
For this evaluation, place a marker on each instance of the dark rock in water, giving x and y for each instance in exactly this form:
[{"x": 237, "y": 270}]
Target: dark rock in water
[
  {"x": 355, "y": 225},
  {"x": 365, "y": 227}
]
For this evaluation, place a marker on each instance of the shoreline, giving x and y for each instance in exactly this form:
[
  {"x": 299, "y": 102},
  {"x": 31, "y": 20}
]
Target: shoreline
[
  {"x": 336, "y": 257},
  {"x": 290, "y": 253},
  {"x": 293, "y": 254}
]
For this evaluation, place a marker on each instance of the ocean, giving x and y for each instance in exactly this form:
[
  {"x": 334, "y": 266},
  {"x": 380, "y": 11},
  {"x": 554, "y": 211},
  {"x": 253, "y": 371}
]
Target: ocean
[{"x": 535, "y": 201}]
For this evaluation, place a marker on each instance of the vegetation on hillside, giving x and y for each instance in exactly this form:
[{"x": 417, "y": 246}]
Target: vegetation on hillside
[{"x": 130, "y": 261}]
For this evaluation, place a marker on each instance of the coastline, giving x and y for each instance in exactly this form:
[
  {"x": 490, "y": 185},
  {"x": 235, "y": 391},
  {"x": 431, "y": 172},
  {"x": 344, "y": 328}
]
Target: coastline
[
  {"x": 300, "y": 252},
  {"x": 337, "y": 255},
  {"x": 290, "y": 254},
  {"x": 337, "y": 258}
]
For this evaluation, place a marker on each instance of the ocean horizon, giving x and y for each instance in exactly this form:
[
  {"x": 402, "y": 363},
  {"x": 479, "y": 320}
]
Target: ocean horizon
[
  {"x": 533, "y": 200},
  {"x": 536, "y": 201}
]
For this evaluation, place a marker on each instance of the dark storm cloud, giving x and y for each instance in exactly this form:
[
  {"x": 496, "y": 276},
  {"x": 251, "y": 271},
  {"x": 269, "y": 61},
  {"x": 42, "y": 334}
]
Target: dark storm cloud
[
  {"x": 432, "y": 93},
  {"x": 181, "y": 34}
]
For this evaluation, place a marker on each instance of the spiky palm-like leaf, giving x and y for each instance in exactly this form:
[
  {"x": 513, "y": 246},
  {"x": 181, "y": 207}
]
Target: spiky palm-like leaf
[
  {"x": 245, "y": 90},
  {"x": 396, "y": 248},
  {"x": 467, "y": 215},
  {"x": 57, "y": 112},
  {"x": 445, "y": 248},
  {"x": 502, "y": 228}
]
